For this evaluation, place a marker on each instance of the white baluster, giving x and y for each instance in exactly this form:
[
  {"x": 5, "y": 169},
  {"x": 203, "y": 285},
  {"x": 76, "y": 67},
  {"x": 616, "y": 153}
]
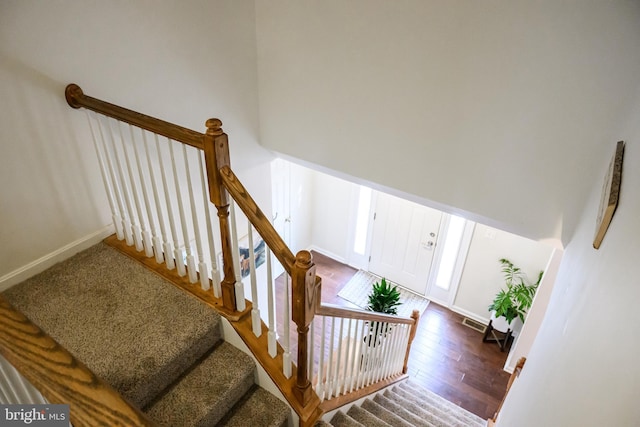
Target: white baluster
[
  {"x": 286, "y": 357},
  {"x": 385, "y": 351},
  {"x": 337, "y": 377},
  {"x": 357, "y": 351},
  {"x": 366, "y": 350},
  {"x": 129, "y": 232},
  {"x": 114, "y": 214},
  {"x": 255, "y": 307},
  {"x": 320, "y": 387},
  {"x": 397, "y": 360},
  {"x": 159, "y": 250},
  {"x": 239, "y": 286},
  {"x": 202, "y": 265},
  {"x": 137, "y": 229},
  {"x": 173, "y": 258},
  {"x": 347, "y": 359},
  {"x": 191, "y": 265},
  {"x": 330, "y": 368},
  {"x": 121, "y": 216},
  {"x": 146, "y": 234},
  {"x": 215, "y": 274},
  {"x": 310, "y": 362},
  {"x": 272, "y": 343}
]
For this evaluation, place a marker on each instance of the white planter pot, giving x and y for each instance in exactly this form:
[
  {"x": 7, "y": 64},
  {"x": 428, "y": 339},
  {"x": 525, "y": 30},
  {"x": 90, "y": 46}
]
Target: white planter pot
[{"x": 500, "y": 324}]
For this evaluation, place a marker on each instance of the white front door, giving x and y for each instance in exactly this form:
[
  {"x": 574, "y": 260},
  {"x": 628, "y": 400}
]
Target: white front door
[{"x": 404, "y": 238}]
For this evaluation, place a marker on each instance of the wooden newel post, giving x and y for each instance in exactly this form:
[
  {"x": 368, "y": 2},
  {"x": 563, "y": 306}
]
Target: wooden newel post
[
  {"x": 415, "y": 315},
  {"x": 216, "y": 154},
  {"x": 303, "y": 283}
]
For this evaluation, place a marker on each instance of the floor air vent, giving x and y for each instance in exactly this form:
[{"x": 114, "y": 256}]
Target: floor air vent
[{"x": 474, "y": 325}]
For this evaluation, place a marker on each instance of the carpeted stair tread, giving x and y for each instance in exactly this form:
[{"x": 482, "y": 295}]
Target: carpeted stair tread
[
  {"x": 423, "y": 411},
  {"x": 131, "y": 327},
  {"x": 440, "y": 406},
  {"x": 340, "y": 419},
  {"x": 322, "y": 423},
  {"x": 408, "y": 416},
  {"x": 257, "y": 408},
  {"x": 204, "y": 395},
  {"x": 365, "y": 417},
  {"x": 384, "y": 414}
]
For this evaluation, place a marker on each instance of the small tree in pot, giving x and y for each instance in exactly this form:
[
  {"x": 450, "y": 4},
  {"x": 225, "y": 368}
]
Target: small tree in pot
[
  {"x": 515, "y": 300},
  {"x": 383, "y": 299}
]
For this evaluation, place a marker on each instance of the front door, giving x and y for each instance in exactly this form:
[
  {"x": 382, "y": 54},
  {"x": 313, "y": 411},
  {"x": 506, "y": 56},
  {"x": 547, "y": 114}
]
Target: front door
[{"x": 405, "y": 235}]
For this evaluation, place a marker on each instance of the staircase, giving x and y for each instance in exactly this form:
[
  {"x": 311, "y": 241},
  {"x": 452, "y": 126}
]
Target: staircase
[
  {"x": 405, "y": 405},
  {"x": 159, "y": 347}
]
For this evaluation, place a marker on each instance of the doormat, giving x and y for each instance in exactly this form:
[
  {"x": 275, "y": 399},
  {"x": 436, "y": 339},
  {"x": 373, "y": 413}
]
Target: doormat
[
  {"x": 357, "y": 291},
  {"x": 474, "y": 325}
]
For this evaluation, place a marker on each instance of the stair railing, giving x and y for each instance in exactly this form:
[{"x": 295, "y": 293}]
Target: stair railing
[
  {"x": 35, "y": 369},
  {"x": 161, "y": 205}
]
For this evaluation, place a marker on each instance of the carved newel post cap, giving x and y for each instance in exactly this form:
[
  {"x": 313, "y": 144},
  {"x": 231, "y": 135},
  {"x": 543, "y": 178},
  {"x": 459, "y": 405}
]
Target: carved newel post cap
[
  {"x": 72, "y": 93},
  {"x": 303, "y": 259},
  {"x": 214, "y": 127}
]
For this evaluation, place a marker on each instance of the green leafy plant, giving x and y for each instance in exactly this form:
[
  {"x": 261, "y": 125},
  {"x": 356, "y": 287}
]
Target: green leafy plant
[
  {"x": 516, "y": 299},
  {"x": 384, "y": 298}
]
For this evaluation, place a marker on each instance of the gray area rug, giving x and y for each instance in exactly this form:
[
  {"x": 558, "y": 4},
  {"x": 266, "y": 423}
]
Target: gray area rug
[{"x": 357, "y": 291}]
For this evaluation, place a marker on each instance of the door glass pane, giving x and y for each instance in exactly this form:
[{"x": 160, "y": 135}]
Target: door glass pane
[
  {"x": 450, "y": 251},
  {"x": 362, "y": 220}
]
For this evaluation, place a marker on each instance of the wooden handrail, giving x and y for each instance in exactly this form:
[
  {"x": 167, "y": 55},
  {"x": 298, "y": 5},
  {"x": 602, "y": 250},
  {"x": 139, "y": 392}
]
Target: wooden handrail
[
  {"x": 76, "y": 99},
  {"x": 60, "y": 377},
  {"x": 331, "y": 310},
  {"x": 515, "y": 374},
  {"x": 257, "y": 218}
]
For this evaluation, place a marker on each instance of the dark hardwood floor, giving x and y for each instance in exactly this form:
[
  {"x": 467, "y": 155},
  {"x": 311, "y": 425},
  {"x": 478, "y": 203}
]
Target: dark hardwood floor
[{"x": 447, "y": 357}]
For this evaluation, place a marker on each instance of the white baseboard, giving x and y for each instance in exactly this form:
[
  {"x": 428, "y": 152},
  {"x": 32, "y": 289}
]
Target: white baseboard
[
  {"x": 327, "y": 253},
  {"x": 470, "y": 315},
  {"x": 41, "y": 264}
]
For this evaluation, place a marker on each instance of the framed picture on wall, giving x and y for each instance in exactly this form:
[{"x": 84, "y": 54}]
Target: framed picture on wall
[{"x": 610, "y": 195}]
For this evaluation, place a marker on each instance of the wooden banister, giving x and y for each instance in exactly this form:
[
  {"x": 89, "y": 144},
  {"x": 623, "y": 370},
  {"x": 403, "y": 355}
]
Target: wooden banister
[
  {"x": 415, "y": 315},
  {"x": 515, "y": 374},
  {"x": 258, "y": 219},
  {"x": 76, "y": 99},
  {"x": 331, "y": 310},
  {"x": 60, "y": 377}
]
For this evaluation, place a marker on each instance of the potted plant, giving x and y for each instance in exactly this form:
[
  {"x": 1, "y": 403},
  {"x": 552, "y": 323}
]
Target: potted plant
[
  {"x": 383, "y": 299},
  {"x": 514, "y": 301}
]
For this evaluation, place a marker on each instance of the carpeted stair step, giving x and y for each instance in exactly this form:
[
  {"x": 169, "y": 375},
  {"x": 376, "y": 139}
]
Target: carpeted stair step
[
  {"x": 257, "y": 408},
  {"x": 424, "y": 410},
  {"x": 365, "y": 417},
  {"x": 384, "y": 414},
  {"x": 204, "y": 395},
  {"x": 340, "y": 419},
  {"x": 132, "y": 328},
  {"x": 408, "y": 416}
]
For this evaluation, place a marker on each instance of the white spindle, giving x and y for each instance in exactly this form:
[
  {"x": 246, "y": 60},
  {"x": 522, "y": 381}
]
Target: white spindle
[
  {"x": 130, "y": 221},
  {"x": 320, "y": 387},
  {"x": 215, "y": 274},
  {"x": 239, "y": 286},
  {"x": 146, "y": 234},
  {"x": 347, "y": 359},
  {"x": 175, "y": 255},
  {"x": 286, "y": 358},
  {"x": 310, "y": 351},
  {"x": 191, "y": 265},
  {"x": 116, "y": 188},
  {"x": 388, "y": 351},
  {"x": 272, "y": 340},
  {"x": 330, "y": 368},
  {"x": 357, "y": 356},
  {"x": 114, "y": 215},
  {"x": 138, "y": 229},
  {"x": 337, "y": 377},
  {"x": 255, "y": 307},
  {"x": 159, "y": 249},
  {"x": 202, "y": 265},
  {"x": 385, "y": 352}
]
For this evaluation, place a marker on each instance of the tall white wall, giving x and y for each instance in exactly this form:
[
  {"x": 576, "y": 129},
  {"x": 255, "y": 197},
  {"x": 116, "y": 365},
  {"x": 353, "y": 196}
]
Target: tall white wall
[
  {"x": 501, "y": 109},
  {"x": 582, "y": 369},
  {"x": 180, "y": 61}
]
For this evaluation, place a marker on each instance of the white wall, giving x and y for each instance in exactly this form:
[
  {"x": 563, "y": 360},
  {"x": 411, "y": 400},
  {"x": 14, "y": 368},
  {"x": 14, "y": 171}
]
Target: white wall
[
  {"x": 582, "y": 369},
  {"x": 482, "y": 277},
  {"x": 180, "y": 61},
  {"x": 499, "y": 109}
]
